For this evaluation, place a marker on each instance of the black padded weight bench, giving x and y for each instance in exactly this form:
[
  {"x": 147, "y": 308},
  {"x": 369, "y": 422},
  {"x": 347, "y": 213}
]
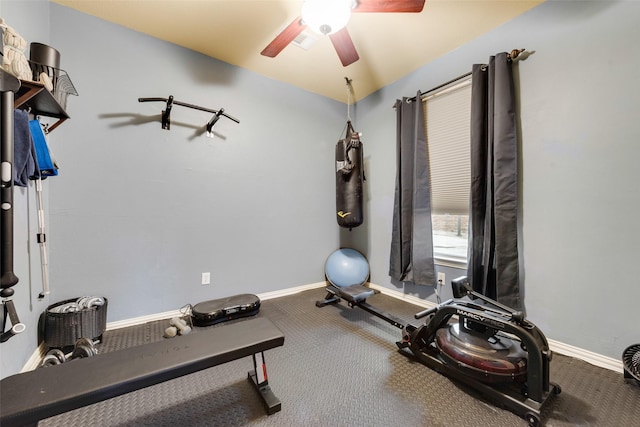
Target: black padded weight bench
[{"x": 32, "y": 396}]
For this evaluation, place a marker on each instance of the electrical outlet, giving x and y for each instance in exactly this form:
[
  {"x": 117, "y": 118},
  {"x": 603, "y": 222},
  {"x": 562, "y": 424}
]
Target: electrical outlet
[
  {"x": 441, "y": 280},
  {"x": 206, "y": 278}
]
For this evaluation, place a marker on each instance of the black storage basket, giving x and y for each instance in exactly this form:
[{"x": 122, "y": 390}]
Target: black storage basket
[{"x": 64, "y": 329}]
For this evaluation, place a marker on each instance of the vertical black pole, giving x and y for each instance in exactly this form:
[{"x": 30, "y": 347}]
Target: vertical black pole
[
  {"x": 6, "y": 207},
  {"x": 8, "y": 85}
]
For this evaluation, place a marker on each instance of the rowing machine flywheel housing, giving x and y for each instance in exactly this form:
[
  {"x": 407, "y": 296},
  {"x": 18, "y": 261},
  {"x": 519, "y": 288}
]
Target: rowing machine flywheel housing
[
  {"x": 631, "y": 362},
  {"x": 482, "y": 353}
]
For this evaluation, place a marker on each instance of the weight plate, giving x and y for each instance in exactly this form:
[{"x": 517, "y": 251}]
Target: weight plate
[
  {"x": 84, "y": 341},
  {"x": 50, "y": 360},
  {"x": 82, "y": 351},
  {"x": 58, "y": 354}
]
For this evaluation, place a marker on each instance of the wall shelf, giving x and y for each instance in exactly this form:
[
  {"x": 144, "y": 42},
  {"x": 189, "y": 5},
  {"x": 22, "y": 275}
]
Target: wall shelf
[{"x": 40, "y": 101}]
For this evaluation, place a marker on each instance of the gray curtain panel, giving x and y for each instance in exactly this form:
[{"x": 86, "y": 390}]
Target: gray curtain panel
[
  {"x": 411, "y": 257},
  {"x": 493, "y": 239}
]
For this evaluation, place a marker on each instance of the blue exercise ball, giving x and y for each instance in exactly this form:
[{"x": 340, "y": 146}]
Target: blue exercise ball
[{"x": 346, "y": 267}]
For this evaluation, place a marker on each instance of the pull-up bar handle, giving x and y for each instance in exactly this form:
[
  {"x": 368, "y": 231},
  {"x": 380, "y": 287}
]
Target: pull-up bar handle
[{"x": 184, "y": 104}]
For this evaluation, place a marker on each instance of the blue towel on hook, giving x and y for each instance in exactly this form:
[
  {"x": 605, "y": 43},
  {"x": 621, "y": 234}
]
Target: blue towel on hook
[
  {"x": 46, "y": 166},
  {"x": 24, "y": 157}
]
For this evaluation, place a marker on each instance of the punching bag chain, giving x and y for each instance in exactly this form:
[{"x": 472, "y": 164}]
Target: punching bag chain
[{"x": 349, "y": 90}]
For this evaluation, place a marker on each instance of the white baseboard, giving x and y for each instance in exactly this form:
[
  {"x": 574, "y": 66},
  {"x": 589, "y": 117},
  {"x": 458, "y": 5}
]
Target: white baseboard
[
  {"x": 555, "y": 346},
  {"x": 404, "y": 297},
  {"x": 35, "y": 359},
  {"x": 142, "y": 319},
  {"x": 290, "y": 291},
  {"x": 586, "y": 355}
]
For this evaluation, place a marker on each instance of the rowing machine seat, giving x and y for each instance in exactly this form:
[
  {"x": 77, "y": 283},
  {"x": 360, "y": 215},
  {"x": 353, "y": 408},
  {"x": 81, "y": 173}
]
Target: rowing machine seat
[{"x": 353, "y": 293}]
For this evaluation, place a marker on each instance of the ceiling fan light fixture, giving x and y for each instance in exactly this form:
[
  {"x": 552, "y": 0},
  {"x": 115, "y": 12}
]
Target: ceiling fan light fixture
[{"x": 326, "y": 16}]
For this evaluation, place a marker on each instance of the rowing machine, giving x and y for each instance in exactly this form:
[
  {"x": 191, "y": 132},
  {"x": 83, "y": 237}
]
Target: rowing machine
[
  {"x": 346, "y": 271},
  {"x": 490, "y": 348}
]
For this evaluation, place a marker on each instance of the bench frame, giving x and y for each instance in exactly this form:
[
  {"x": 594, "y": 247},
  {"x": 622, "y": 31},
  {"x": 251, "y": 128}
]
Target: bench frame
[{"x": 45, "y": 392}]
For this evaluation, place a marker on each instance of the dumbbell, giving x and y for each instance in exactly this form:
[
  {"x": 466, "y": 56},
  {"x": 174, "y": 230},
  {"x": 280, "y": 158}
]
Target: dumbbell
[
  {"x": 53, "y": 357},
  {"x": 84, "y": 347},
  {"x": 178, "y": 326}
]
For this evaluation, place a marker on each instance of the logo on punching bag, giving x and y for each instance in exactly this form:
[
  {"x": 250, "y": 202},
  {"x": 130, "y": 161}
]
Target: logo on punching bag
[{"x": 343, "y": 214}]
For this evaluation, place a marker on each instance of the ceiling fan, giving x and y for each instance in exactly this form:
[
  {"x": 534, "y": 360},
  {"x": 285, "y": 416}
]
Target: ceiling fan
[{"x": 330, "y": 17}]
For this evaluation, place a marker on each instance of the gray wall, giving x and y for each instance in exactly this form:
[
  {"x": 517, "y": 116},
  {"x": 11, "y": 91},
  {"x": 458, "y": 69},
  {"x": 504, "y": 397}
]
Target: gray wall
[
  {"x": 138, "y": 212},
  {"x": 579, "y": 108}
]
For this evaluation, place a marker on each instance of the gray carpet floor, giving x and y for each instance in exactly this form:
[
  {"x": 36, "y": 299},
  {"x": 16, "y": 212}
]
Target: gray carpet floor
[{"x": 340, "y": 367}]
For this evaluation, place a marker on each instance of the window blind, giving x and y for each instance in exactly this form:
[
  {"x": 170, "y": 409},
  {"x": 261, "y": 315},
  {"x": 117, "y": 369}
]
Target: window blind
[{"x": 447, "y": 123}]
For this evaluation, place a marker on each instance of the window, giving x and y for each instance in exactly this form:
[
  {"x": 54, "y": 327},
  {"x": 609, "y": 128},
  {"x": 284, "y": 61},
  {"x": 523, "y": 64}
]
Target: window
[{"x": 447, "y": 124}]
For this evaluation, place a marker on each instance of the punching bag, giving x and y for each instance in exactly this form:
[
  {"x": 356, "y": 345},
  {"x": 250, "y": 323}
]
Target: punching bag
[{"x": 349, "y": 179}]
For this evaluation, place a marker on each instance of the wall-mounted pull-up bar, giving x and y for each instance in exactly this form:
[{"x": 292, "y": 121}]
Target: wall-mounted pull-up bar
[{"x": 166, "y": 113}]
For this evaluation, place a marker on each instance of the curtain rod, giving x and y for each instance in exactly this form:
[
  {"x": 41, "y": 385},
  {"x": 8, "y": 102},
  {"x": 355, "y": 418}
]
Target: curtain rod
[
  {"x": 511, "y": 55},
  {"x": 439, "y": 86}
]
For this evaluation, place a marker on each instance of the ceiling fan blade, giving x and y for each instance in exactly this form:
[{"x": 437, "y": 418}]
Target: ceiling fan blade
[
  {"x": 284, "y": 38},
  {"x": 344, "y": 47},
  {"x": 388, "y": 6}
]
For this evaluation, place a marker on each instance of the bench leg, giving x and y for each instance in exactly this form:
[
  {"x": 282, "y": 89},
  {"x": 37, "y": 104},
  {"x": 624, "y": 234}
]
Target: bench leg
[{"x": 258, "y": 377}]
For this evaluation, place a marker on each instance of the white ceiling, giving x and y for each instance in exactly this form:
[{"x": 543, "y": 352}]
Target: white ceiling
[{"x": 390, "y": 45}]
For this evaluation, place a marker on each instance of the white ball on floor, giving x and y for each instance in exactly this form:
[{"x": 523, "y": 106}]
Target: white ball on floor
[{"x": 170, "y": 332}]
